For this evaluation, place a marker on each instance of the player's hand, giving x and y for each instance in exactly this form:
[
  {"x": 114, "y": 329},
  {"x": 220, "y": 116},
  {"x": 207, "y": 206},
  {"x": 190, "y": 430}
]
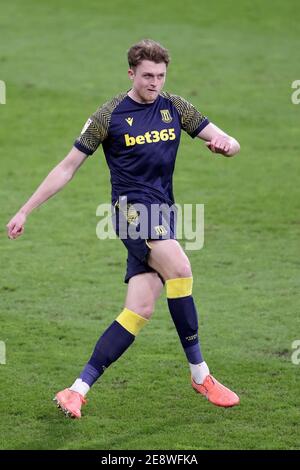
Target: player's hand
[
  {"x": 15, "y": 226},
  {"x": 220, "y": 144}
]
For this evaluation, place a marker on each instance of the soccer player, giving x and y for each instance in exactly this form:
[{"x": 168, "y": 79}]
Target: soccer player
[{"x": 140, "y": 132}]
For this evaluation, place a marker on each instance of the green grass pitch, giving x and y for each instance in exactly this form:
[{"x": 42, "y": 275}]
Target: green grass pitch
[{"x": 60, "y": 286}]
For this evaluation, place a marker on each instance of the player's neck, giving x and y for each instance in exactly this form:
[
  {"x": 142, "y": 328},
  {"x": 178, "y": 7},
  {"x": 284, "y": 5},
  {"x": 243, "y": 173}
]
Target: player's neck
[{"x": 136, "y": 97}]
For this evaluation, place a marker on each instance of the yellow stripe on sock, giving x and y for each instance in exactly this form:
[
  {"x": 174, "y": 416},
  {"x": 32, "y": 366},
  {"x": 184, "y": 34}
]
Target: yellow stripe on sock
[
  {"x": 131, "y": 321},
  {"x": 180, "y": 287}
]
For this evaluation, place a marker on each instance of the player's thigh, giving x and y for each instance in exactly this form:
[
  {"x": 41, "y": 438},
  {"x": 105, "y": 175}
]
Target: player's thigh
[
  {"x": 143, "y": 291},
  {"x": 168, "y": 259}
]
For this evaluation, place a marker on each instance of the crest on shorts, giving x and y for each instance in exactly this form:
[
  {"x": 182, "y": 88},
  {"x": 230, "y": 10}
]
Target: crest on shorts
[
  {"x": 160, "y": 230},
  {"x": 132, "y": 215},
  {"x": 165, "y": 115}
]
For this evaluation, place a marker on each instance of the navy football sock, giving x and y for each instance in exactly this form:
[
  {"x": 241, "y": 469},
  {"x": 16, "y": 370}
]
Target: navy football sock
[
  {"x": 112, "y": 344},
  {"x": 184, "y": 315}
]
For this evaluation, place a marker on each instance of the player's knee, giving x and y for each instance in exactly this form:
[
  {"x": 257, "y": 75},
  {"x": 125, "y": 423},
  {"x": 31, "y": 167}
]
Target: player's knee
[
  {"x": 182, "y": 270},
  {"x": 146, "y": 309}
]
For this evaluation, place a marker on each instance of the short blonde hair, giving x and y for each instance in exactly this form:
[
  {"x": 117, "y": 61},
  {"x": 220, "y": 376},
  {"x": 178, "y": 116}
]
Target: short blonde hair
[{"x": 147, "y": 49}]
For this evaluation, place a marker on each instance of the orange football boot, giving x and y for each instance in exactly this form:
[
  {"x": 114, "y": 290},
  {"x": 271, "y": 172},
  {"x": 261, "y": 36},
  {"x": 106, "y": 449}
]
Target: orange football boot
[
  {"x": 215, "y": 392},
  {"x": 70, "y": 402}
]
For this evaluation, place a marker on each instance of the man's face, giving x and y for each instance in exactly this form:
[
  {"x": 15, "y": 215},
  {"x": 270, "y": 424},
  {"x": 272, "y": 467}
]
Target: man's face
[{"x": 148, "y": 80}]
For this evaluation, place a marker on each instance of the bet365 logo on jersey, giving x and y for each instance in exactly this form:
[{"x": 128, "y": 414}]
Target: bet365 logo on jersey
[{"x": 150, "y": 137}]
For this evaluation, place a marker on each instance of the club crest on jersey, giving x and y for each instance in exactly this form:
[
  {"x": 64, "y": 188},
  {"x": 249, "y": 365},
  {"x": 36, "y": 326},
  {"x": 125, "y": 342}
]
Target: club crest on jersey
[
  {"x": 165, "y": 115},
  {"x": 129, "y": 120}
]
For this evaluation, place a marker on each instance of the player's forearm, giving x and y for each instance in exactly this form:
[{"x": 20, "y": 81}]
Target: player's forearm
[{"x": 53, "y": 183}]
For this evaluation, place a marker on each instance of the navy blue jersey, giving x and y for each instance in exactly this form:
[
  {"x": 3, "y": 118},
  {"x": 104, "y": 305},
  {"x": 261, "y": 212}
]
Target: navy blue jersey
[{"x": 140, "y": 143}]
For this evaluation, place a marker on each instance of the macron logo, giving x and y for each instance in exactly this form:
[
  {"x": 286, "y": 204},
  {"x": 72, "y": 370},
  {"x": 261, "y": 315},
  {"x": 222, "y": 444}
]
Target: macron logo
[{"x": 129, "y": 121}]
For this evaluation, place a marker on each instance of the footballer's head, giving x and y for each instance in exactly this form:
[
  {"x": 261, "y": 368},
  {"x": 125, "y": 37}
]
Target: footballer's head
[{"x": 148, "y": 62}]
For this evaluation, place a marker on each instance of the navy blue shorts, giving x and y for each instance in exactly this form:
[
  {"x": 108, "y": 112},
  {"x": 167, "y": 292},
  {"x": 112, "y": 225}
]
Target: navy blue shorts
[{"x": 136, "y": 224}]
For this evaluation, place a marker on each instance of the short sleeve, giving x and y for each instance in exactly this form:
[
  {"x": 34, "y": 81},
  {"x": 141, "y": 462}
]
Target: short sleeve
[
  {"x": 94, "y": 132},
  {"x": 192, "y": 120}
]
